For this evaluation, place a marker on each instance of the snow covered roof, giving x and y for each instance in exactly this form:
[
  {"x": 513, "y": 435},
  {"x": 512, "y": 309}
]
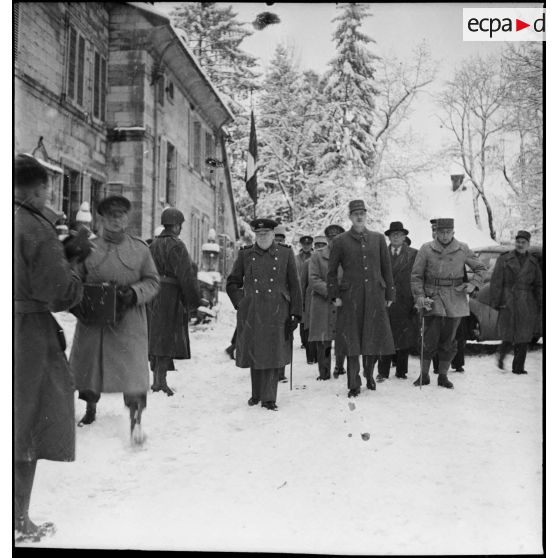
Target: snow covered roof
[{"x": 181, "y": 39}]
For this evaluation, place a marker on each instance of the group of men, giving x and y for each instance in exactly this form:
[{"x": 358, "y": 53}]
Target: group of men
[
  {"x": 361, "y": 294},
  {"x": 131, "y": 301},
  {"x": 370, "y": 299}
]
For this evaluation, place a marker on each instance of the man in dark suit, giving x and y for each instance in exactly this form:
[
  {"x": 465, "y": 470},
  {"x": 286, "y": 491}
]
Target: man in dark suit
[{"x": 402, "y": 313}]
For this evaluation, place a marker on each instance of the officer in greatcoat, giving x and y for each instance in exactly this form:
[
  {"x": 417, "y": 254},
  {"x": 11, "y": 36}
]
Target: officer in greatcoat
[
  {"x": 516, "y": 292},
  {"x": 402, "y": 313},
  {"x": 168, "y": 311},
  {"x": 114, "y": 358},
  {"x": 323, "y": 313},
  {"x": 362, "y": 297},
  {"x": 264, "y": 289},
  {"x": 309, "y": 346},
  {"x": 44, "y": 282},
  {"x": 442, "y": 295}
]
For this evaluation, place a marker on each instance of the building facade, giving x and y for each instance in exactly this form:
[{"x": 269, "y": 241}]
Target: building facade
[{"x": 109, "y": 95}]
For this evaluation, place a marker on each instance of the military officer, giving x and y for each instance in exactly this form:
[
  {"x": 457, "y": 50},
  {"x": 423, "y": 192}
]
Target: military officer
[
  {"x": 168, "y": 311},
  {"x": 362, "y": 296},
  {"x": 309, "y": 346},
  {"x": 280, "y": 233},
  {"x": 516, "y": 291},
  {"x": 323, "y": 314},
  {"x": 306, "y": 243},
  {"x": 440, "y": 292},
  {"x": 402, "y": 313},
  {"x": 264, "y": 289}
]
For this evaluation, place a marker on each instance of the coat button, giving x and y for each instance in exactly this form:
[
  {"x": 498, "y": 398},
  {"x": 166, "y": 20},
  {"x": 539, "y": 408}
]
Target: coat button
[
  {"x": 257, "y": 292},
  {"x": 253, "y": 259},
  {"x": 255, "y": 280},
  {"x": 274, "y": 268},
  {"x": 275, "y": 257},
  {"x": 269, "y": 290},
  {"x": 366, "y": 280},
  {"x": 365, "y": 268},
  {"x": 271, "y": 280}
]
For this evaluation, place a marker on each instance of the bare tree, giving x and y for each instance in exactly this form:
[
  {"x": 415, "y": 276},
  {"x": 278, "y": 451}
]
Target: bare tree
[
  {"x": 522, "y": 149},
  {"x": 472, "y": 105}
]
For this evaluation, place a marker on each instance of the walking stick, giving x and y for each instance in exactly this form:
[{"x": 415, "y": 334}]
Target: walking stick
[
  {"x": 291, "y": 373},
  {"x": 421, "y": 314}
]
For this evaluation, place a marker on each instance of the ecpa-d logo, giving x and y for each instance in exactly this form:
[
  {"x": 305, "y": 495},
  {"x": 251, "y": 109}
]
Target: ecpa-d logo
[{"x": 503, "y": 24}]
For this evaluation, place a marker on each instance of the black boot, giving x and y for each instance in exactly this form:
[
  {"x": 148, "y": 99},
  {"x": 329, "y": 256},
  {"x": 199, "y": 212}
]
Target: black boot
[
  {"x": 230, "y": 351},
  {"x": 156, "y": 386},
  {"x": 164, "y": 385},
  {"x": 370, "y": 383},
  {"x": 270, "y": 406},
  {"x": 90, "y": 413},
  {"x": 353, "y": 392},
  {"x": 253, "y": 401},
  {"x": 444, "y": 382}
]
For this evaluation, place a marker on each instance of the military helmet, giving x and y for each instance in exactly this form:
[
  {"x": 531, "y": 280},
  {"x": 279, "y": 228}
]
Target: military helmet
[{"x": 172, "y": 216}]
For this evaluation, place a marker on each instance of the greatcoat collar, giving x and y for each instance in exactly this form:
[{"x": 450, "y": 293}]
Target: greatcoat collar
[
  {"x": 453, "y": 246},
  {"x": 357, "y": 235},
  {"x": 273, "y": 249}
]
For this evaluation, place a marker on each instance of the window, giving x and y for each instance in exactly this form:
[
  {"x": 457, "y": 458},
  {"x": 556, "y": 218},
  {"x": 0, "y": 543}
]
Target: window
[
  {"x": 75, "y": 66},
  {"x": 71, "y": 193},
  {"x": 209, "y": 153},
  {"x": 197, "y": 147},
  {"x": 99, "y": 86},
  {"x": 98, "y": 192},
  {"x": 161, "y": 89},
  {"x": 170, "y": 189},
  {"x": 170, "y": 90},
  {"x": 195, "y": 235}
]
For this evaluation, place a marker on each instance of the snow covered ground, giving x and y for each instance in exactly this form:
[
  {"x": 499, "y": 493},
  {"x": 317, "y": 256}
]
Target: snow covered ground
[{"x": 443, "y": 472}]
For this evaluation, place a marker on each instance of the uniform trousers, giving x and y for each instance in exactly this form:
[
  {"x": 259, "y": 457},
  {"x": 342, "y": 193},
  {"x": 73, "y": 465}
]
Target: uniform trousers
[
  {"x": 339, "y": 359},
  {"x": 401, "y": 363},
  {"x": 458, "y": 360},
  {"x": 439, "y": 337},
  {"x": 519, "y": 354},
  {"x": 264, "y": 383},
  {"x": 353, "y": 369},
  {"x": 310, "y": 346},
  {"x": 323, "y": 349},
  {"x": 131, "y": 400}
]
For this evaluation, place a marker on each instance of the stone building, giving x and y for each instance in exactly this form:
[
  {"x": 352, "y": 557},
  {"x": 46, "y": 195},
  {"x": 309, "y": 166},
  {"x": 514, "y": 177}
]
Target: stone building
[{"x": 111, "y": 98}]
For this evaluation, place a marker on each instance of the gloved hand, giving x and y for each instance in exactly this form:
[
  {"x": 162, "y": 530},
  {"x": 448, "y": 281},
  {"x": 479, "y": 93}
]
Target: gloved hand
[
  {"x": 126, "y": 296},
  {"x": 470, "y": 288},
  {"x": 77, "y": 245},
  {"x": 424, "y": 302},
  {"x": 290, "y": 326}
]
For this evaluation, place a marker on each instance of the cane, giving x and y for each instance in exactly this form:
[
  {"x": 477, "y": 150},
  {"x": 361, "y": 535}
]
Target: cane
[
  {"x": 291, "y": 373},
  {"x": 421, "y": 315}
]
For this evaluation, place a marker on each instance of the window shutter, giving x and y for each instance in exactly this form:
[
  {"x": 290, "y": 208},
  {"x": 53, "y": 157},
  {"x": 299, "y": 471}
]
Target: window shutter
[
  {"x": 103, "y": 88},
  {"x": 71, "y": 63},
  {"x": 96, "y": 85},
  {"x": 80, "y": 71},
  {"x": 15, "y": 29}
]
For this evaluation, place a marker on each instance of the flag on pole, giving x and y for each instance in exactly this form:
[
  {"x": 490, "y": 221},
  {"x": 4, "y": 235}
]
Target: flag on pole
[{"x": 252, "y": 162}]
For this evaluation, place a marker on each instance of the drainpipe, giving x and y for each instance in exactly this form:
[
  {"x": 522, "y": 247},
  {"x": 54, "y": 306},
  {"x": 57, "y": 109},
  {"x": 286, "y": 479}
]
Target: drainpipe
[{"x": 155, "y": 174}]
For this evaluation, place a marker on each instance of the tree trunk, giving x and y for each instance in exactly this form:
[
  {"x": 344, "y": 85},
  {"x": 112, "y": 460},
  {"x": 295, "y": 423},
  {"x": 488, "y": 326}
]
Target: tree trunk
[
  {"x": 476, "y": 208},
  {"x": 490, "y": 216}
]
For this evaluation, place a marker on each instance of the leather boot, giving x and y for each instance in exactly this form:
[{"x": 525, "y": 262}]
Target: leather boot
[
  {"x": 443, "y": 381},
  {"x": 424, "y": 374},
  {"x": 90, "y": 413},
  {"x": 164, "y": 385}
]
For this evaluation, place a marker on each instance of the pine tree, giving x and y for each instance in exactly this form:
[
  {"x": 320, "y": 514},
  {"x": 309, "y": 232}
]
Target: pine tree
[
  {"x": 289, "y": 108},
  {"x": 350, "y": 88},
  {"x": 215, "y": 35}
]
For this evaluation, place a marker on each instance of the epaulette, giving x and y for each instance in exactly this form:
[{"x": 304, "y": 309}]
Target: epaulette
[{"x": 283, "y": 244}]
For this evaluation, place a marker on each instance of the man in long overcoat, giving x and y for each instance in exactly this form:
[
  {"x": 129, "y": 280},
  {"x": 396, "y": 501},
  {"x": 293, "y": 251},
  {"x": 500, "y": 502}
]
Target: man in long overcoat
[
  {"x": 362, "y": 297},
  {"x": 442, "y": 295},
  {"x": 516, "y": 292},
  {"x": 114, "y": 358},
  {"x": 304, "y": 255},
  {"x": 323, "y": 313},
  {"x": 168, "y": 311},
  {"x": 264, "y": 289},
  {"x": 43, "y": 384},
  {"x": 402, "y": 313}
]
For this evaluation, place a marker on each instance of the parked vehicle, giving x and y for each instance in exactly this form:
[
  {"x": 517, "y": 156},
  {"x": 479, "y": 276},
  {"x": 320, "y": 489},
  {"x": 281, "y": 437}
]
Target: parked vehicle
[{"x": 482, "y": 324}]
